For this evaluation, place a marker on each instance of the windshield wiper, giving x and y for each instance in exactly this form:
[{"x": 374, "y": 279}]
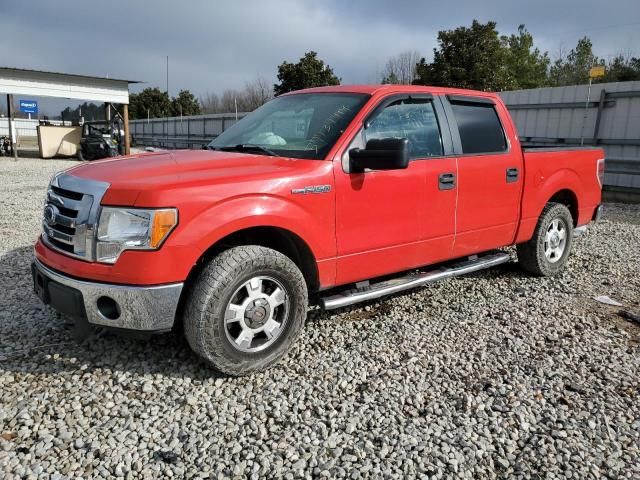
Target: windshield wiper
[{"x": 247, "y": 147}]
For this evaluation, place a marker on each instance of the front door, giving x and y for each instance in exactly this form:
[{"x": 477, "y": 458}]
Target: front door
[{"x": 393, "y": 220}]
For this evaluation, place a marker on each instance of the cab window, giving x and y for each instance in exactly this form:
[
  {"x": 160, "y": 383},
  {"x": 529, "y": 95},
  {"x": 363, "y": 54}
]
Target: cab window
[
  {"x": 480, "y": 128},
  {"x": 414, "y": 119}
]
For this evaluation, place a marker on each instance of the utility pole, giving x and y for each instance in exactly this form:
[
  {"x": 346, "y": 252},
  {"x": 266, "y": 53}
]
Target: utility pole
[
  {"x": 12, "y": 132},
  {"x": 586, "y": 111},
  {"x": 594, "y": 72},
  {"x": 166, "y": 131},
  {"x": 127, "y": 139}
]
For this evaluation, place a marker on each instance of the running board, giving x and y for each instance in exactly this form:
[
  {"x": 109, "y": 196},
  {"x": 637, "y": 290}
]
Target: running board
[{"x": 388, "y": 287}]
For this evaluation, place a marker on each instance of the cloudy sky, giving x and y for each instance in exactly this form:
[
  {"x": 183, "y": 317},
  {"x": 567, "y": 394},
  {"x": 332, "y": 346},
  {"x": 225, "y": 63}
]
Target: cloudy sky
[{"x": 214, "y": 45}]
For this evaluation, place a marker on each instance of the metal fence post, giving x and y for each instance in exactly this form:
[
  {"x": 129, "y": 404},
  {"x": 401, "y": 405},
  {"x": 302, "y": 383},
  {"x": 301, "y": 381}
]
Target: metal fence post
[{"x": 596, "y": 128}]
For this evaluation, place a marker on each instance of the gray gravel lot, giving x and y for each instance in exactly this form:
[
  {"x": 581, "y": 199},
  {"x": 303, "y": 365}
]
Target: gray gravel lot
[{"x": 493, "y": 375}]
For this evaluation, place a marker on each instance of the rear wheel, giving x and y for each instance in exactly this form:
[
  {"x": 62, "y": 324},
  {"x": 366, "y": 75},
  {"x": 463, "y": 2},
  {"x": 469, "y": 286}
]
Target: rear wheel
[
  {"x": 246, "y": 309},
  {"x": 547, "y": 252}
]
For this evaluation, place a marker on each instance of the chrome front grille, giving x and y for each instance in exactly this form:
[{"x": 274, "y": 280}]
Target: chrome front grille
[{"x": 71, "y": 214}]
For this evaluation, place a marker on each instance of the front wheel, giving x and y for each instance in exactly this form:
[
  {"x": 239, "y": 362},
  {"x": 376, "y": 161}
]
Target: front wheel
[
  {"x": 246, "y": 309},
  {"x": 547, "y": 252}
]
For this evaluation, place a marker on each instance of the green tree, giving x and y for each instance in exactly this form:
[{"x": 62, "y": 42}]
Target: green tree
[
  {"x": 390, "y": 79},
  {"x": 424, "y": 75},
  {"x": 150, "y": 101},
  {"x": 573, "y": 69},
  {"x": 467, "y": 57},
  {"x": 89, "y": 111},
  {"x": 621, "y": 69},
  {"x": 526, "y": 66},
  {"x": 185, "y": 104},
  {"x": 309, "y": 72}
]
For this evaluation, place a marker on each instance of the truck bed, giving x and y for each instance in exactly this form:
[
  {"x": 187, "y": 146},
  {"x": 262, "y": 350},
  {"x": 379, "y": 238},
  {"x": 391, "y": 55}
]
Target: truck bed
[{"x": 571, "y": 172}]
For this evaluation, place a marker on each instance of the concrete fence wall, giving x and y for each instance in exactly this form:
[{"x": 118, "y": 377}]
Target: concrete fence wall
[
  {"x": 181, "y": 132},
  {"x": 608, "y": 116},
  {"x": 24, "y": 126}
]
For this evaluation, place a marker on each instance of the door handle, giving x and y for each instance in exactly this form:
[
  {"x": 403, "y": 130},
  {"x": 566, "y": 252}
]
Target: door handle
[
  {"x": 446, "y": 181},
  {"x": 512, "y": 174}
]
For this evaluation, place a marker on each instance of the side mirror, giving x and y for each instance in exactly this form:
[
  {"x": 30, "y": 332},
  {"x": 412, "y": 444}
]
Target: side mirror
[{"x": 380, "y": 154}]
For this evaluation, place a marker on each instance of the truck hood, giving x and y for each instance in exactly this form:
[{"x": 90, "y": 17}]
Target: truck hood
[{"x": 131, "y": 177}]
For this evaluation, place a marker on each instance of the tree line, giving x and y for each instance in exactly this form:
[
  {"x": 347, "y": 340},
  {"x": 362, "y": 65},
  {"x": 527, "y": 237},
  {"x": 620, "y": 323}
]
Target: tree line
[
  {"x": 476, "y": 57},
  {"x": 155, "y": 103}
]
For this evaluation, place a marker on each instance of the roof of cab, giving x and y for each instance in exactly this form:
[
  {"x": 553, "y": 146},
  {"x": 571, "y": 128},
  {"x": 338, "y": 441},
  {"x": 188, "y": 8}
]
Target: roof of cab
[{"x": 375, "y": 89}]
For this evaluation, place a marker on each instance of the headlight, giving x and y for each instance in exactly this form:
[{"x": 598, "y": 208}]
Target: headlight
[{"x": 122, "y": 229}]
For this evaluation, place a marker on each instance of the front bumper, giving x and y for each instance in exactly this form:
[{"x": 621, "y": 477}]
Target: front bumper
[{"x": 119, "y": 306}]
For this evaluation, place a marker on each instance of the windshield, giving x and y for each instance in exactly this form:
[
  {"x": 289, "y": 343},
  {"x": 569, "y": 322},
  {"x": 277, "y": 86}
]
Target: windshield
[{"x": 303, "y": 125}]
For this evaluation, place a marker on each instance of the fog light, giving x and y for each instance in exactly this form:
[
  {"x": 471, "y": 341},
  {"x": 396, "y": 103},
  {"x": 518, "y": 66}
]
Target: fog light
[{"x": 109, "y": 308}]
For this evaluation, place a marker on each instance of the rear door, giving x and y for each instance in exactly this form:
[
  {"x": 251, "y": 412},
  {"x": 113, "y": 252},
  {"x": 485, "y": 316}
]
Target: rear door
[
  {"x": 392, "y": 220},
  {"x": 490, "y": 175}
]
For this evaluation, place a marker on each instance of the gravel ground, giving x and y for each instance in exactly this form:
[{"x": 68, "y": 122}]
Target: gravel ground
[{"x": 492, "y": 375}]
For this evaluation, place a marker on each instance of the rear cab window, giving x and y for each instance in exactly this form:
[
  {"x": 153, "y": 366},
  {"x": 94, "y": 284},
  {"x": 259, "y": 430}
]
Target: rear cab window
[{"x": 480, "y": 129}]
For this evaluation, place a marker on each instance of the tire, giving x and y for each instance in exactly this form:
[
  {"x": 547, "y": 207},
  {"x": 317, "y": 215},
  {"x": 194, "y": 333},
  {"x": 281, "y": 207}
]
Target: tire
[
  {"x": 546, "y": 254},
  {"x": 80, "y": 155},
  {"x": 233, "y": 318}
]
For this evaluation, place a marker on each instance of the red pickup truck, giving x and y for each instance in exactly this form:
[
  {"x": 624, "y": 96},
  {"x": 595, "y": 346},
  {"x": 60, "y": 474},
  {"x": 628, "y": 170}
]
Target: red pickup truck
[{"x": 330, "y": 195}]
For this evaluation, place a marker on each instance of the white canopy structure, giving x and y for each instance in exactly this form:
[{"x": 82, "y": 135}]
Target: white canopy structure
[
  {"x": 36, "y": 83},
  {"x": 17, "y": 81}
]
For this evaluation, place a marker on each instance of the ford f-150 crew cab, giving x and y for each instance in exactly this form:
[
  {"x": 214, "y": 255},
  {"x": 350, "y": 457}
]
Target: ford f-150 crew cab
[{"x": 331, "y": 195}]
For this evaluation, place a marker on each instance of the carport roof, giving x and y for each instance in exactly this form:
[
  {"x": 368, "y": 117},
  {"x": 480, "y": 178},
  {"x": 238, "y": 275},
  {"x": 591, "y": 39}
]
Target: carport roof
[{"x": 37, "y": 83}]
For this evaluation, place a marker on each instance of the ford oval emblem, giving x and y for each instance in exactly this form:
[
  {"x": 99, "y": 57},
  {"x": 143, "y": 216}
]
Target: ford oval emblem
[{"x": 50, "y": 214}]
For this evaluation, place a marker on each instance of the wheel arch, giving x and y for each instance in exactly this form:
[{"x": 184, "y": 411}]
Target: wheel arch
[
  {"x": 562, "y": 187},
  {"x": 569, "y": 199},
  {"x": 277, "y": 238},
  {"x": 280, "y": 239}
]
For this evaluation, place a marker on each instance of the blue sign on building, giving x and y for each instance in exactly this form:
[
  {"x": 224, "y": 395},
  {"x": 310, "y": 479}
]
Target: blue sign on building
[{"x": 28, "y": 106}]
